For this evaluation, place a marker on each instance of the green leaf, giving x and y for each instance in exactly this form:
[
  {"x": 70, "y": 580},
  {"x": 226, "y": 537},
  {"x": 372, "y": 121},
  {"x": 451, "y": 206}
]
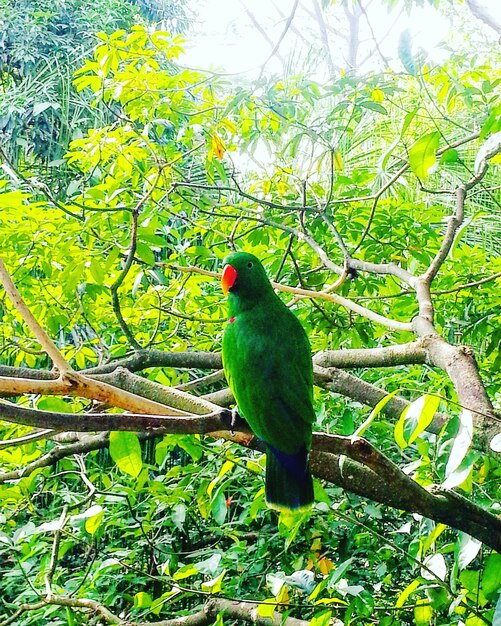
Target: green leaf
[
  {"x": 53, "y": 403},
  {"x": 493, "y": 123},
  {"x": 145, "y": 253},
  {"x": 374, "y": 106},
  {"x": 415, "y": 418},
  {"x": 218, "y": 506},
  {"x": 125, "y": 450},
  {"x": 423, "y": 154},
  {"x": 449, "y": 156},
  {"x": 496, "y": 618},
  {"x": 185, "y": 572},
  {"x": 321, "y": 619},
  {"x": 374, "y": 413},
  {"x": 411, "y": 587},
  {"x": 491, "y": 580},
  {"x": 96, "y": 270}
]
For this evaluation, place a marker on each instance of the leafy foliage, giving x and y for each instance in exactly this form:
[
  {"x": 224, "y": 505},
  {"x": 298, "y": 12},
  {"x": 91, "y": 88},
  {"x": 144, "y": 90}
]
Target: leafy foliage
[{"x": 183, "y": 166}]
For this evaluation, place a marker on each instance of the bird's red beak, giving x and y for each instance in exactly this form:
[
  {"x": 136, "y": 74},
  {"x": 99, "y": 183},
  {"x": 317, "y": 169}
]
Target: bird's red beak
[{"x": 228, "y": 278}]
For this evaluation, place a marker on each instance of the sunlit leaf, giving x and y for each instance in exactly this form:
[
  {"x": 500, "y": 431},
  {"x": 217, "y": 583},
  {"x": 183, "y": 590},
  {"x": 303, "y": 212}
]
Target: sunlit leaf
[
  {"x": 468, "y": 549},
  {"x": 374, "y": 413},
  {"x": 142, "y": 600},
  {"x": 423, "y": 154},
  {"x": 338, "y": 161},
  {"x": 434, "y": 567},
  {"x": 462, "y": 442},
  {"x": 125, "y": 450},
  {"x": 415, "y": 418},
  {"x": 92, "y": 523},
  {"x": 404, "y": 595},
  {"x": 185, "y": 572},
  {"x": 215, "y": 584},
  {"x": 423, "y": 613},
  {"x": 267, "y": 608},
  {"x": 321, "y": 619}
]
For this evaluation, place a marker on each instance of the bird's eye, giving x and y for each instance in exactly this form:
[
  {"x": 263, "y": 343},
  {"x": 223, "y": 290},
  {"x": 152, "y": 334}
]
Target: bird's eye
[{"x": 250, "y": 264}]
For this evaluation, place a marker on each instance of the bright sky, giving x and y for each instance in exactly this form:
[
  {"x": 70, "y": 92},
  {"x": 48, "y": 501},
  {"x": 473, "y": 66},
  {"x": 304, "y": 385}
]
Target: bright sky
[{"x": 225, "y": 37}]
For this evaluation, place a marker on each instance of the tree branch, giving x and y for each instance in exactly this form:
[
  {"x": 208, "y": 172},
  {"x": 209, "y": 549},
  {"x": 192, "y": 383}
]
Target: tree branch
[
  {"x": 45, "y": 341},
  {"x": 375, "y": 476}
]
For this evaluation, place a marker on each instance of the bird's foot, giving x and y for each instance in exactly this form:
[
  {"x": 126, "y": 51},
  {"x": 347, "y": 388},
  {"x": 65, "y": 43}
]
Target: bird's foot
[
  {"x": 232, "y": 418},
  {"x": 235, "y": 416}
]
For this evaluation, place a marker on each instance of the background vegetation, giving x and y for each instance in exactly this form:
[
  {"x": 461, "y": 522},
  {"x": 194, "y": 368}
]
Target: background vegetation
[{"x": 372, "y": 197}]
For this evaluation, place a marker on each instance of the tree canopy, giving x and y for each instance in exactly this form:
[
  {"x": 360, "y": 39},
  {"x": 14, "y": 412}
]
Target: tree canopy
[{"x": 372, "y": 199}]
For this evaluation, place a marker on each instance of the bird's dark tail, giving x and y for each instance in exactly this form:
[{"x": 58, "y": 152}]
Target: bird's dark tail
[{"x": 288, "y": 480}]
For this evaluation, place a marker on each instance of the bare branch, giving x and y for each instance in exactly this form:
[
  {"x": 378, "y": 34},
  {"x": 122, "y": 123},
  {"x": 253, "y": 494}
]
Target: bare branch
[
  {"x": 454, "y": 223},
  {"x": 387, "y": 356},
  {"x": 320, "y": 295},
  {"x": 487, "y": 17},
  {"x": 324, "y": 38},
  {"x": 282, "y": 36},
  {"x": 344, "y": 383}
]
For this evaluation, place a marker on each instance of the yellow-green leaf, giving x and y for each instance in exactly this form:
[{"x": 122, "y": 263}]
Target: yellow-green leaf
[
  {"x": 126, "y": 452},
  {"x": 225, "y": 468},
  {"x": 267, "y": 608},
  {"x": 142, "y": 600},
  {"x": 423, "y": 613},
  {"x": 93, "y": 523},
  {"x": 214, "y": 585},
  {"x": 338, "y": 161},
  {"x": 423, "y": 154},
  {"x": 185, "y": 572},
  {"x": 415, "y": 418},
  {"x": 402, "y": 598},
  {"x": 374, "y": 413}
]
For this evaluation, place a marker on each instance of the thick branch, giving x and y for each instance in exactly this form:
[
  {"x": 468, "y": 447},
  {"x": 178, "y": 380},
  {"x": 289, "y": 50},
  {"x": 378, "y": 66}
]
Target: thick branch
[
  {"x": 373, "y": 475},
  {"x": 482, "y": 12},
  {"x": 460, "y": 365},
  {"x": 232, "y": 609},
  {"x": 141, "y": 360},
  {"x": 344, "y": 383},
  {"x": 387, "y": 356}
]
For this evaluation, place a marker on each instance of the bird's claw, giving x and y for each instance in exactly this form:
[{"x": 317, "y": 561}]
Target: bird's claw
[{"x": 235, "y": 416}]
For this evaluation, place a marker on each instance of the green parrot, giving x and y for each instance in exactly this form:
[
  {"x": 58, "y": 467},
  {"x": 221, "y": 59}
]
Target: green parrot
[{"x": 267, "y": 362}]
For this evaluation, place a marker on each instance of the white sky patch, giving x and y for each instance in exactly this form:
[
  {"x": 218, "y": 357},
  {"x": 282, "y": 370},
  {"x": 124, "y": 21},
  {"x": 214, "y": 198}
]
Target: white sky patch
[{"x": 225, "y": 38}]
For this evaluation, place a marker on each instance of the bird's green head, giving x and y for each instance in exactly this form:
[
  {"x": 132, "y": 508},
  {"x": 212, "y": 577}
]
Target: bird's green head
[{"x": 244, "y": 278}]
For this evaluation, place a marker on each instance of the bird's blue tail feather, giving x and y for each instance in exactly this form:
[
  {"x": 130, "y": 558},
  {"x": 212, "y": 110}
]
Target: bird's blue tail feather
[{"x": 289, "y": 484}]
